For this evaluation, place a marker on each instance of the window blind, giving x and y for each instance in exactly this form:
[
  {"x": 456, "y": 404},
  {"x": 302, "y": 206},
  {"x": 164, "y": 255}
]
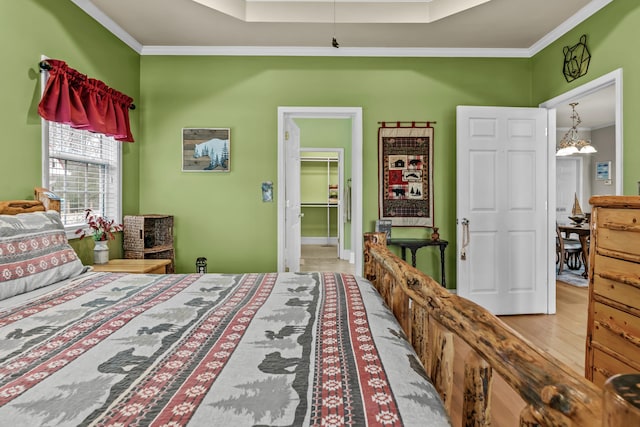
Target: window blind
[{"x": 84, "y": 171}]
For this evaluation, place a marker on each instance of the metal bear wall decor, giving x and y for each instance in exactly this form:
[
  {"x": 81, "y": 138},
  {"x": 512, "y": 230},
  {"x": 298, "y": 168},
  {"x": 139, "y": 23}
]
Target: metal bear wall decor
[{"x": 576, "y": 60}]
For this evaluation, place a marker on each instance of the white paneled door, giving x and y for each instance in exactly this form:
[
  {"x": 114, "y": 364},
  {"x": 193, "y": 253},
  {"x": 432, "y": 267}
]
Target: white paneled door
[{"x": 502, "y": 208}]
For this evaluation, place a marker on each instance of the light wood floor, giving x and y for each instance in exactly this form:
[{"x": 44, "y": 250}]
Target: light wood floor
[
  {"x": 563, "y": 334},
  {"x": 323, "y": 258}
]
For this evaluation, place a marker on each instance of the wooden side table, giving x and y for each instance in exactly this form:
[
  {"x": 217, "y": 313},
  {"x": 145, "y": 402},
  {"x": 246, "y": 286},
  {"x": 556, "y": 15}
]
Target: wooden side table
[
  {"x": 135, "y": 266},
  {"x": 414, "y": 244}
]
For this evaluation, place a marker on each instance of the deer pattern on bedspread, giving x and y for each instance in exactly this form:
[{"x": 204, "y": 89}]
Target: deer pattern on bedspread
[{"x": 287, "y": 349}]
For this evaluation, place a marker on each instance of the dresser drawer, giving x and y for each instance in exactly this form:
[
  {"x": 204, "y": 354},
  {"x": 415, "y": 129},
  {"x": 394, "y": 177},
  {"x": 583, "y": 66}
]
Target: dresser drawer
[
  {"x": 617, "y": 280},
  {"x": 605, "y": 366},
  {"x": 619, "y": 230},
  {"x": 618, "y": 270},
  {"x": 616, "y": 330}
]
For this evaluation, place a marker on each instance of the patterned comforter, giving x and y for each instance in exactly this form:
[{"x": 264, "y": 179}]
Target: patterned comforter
[{"x": 288, "y": 349}]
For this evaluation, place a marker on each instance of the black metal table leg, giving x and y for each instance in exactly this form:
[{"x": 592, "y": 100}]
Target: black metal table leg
[{"x": 444, "y": 280}]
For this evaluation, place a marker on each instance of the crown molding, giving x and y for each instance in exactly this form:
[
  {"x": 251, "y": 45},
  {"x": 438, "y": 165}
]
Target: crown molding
[
  {"x": 88, "y": 7},
  {"x": 588, "y": 129},
  {"x": 568, "y": 25},
  {"x": 579, "y": 129},
  {"x": 605, "y": 125},
  {"x": 330, "y": 51}
]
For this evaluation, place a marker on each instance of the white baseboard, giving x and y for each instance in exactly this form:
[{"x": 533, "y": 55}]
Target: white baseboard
[{"x": 319, "y": 241}]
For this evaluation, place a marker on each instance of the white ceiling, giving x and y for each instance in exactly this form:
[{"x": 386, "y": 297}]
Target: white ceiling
[
  {"x": 596, "y": 110},
  {"x": 362, "y": 27},
  {"x": 470, "y": 28}
]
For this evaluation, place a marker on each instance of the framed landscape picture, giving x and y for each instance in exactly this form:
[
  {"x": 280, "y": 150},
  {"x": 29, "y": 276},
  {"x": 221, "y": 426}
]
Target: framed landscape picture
[{"x": 206, "y": 150}]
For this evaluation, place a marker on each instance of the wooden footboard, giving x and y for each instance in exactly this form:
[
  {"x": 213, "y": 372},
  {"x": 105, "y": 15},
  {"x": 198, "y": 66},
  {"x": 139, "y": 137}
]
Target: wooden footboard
[{"x": 432, "y": 317}]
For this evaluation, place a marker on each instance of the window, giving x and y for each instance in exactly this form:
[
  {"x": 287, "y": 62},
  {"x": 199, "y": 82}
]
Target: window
[{"x": 83, "y": 169}]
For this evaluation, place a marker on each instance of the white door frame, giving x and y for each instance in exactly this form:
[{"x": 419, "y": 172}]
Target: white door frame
[
  {"x": 292, "y": 197},
  {"x": 355, "y": 114},
  {"x": 612, "y": 78}
]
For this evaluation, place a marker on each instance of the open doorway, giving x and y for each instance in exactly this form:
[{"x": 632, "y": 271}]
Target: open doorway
[
  {"x": 599, "y": 104},
  {"x": 286, "y": 200}
]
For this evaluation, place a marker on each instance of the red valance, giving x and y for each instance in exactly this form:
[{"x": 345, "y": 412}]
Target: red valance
[{"x": 72, "y": 98}]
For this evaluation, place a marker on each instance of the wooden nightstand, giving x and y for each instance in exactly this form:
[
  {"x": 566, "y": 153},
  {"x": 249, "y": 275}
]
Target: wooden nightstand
[{"x": 136, "y": 266}]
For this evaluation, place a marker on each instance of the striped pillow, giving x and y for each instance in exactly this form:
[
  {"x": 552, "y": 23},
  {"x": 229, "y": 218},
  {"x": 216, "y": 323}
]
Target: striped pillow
[{"x": 34, "y": 252}]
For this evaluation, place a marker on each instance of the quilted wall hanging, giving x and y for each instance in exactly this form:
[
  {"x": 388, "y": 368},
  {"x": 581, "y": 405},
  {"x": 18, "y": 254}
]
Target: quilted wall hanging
[{"x": 405, "y": 163}]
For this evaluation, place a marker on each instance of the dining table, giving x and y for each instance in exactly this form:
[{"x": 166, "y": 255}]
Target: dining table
[{"x": 582, "y": 231}]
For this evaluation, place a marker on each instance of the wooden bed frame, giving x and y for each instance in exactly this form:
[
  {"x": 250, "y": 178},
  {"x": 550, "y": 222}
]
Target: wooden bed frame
[
  {"x": 44, "y": 200},
  {"x": 14, "y": 207},
  {"x": 433, "y": 319}
]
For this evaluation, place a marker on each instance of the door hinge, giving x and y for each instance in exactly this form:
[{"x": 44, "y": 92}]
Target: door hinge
[{"x": 286, "y": 135}]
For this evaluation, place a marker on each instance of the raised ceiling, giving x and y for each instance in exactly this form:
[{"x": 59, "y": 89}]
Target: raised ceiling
[
  {"x": 341, "y": 11},
  {"x": 507, "y": 28}
]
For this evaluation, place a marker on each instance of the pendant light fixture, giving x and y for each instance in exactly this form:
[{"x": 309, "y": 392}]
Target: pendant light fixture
[{"x": 571, "y": 143}]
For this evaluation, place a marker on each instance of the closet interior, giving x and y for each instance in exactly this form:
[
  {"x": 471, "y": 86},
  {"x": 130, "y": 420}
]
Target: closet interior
[{"x": 320, "y": 197}]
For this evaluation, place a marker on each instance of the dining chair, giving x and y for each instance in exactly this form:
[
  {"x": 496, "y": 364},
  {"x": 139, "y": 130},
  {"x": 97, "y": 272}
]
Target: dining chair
[{"x": 568, "y": 251}]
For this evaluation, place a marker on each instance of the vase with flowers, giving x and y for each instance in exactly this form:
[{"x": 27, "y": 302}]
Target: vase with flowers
[{"x": 101, "y": 229}]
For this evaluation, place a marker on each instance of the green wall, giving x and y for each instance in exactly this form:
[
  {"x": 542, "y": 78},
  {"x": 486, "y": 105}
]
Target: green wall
[
  {"x": 221, "y": 216},
  {"x": 611, "y": 38},
  {"x": 57, "y": 29}
]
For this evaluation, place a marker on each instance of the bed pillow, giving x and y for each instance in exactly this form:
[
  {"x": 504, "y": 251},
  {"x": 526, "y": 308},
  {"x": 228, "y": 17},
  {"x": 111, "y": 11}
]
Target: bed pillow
[{"x": 34, "y": 252}]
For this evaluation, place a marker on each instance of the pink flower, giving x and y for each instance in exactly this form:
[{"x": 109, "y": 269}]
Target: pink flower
[{"x": 102, "y": 228}]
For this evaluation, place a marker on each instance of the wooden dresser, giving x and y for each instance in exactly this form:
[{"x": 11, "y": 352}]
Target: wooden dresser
[{"x": 613, "y": 328}]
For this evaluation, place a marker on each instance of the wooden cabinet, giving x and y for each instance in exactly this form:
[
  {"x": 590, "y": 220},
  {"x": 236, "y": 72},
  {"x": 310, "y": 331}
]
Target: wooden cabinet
[
  {"x": 613, "y": 329},
  {"x": 149, "y": 237}
]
